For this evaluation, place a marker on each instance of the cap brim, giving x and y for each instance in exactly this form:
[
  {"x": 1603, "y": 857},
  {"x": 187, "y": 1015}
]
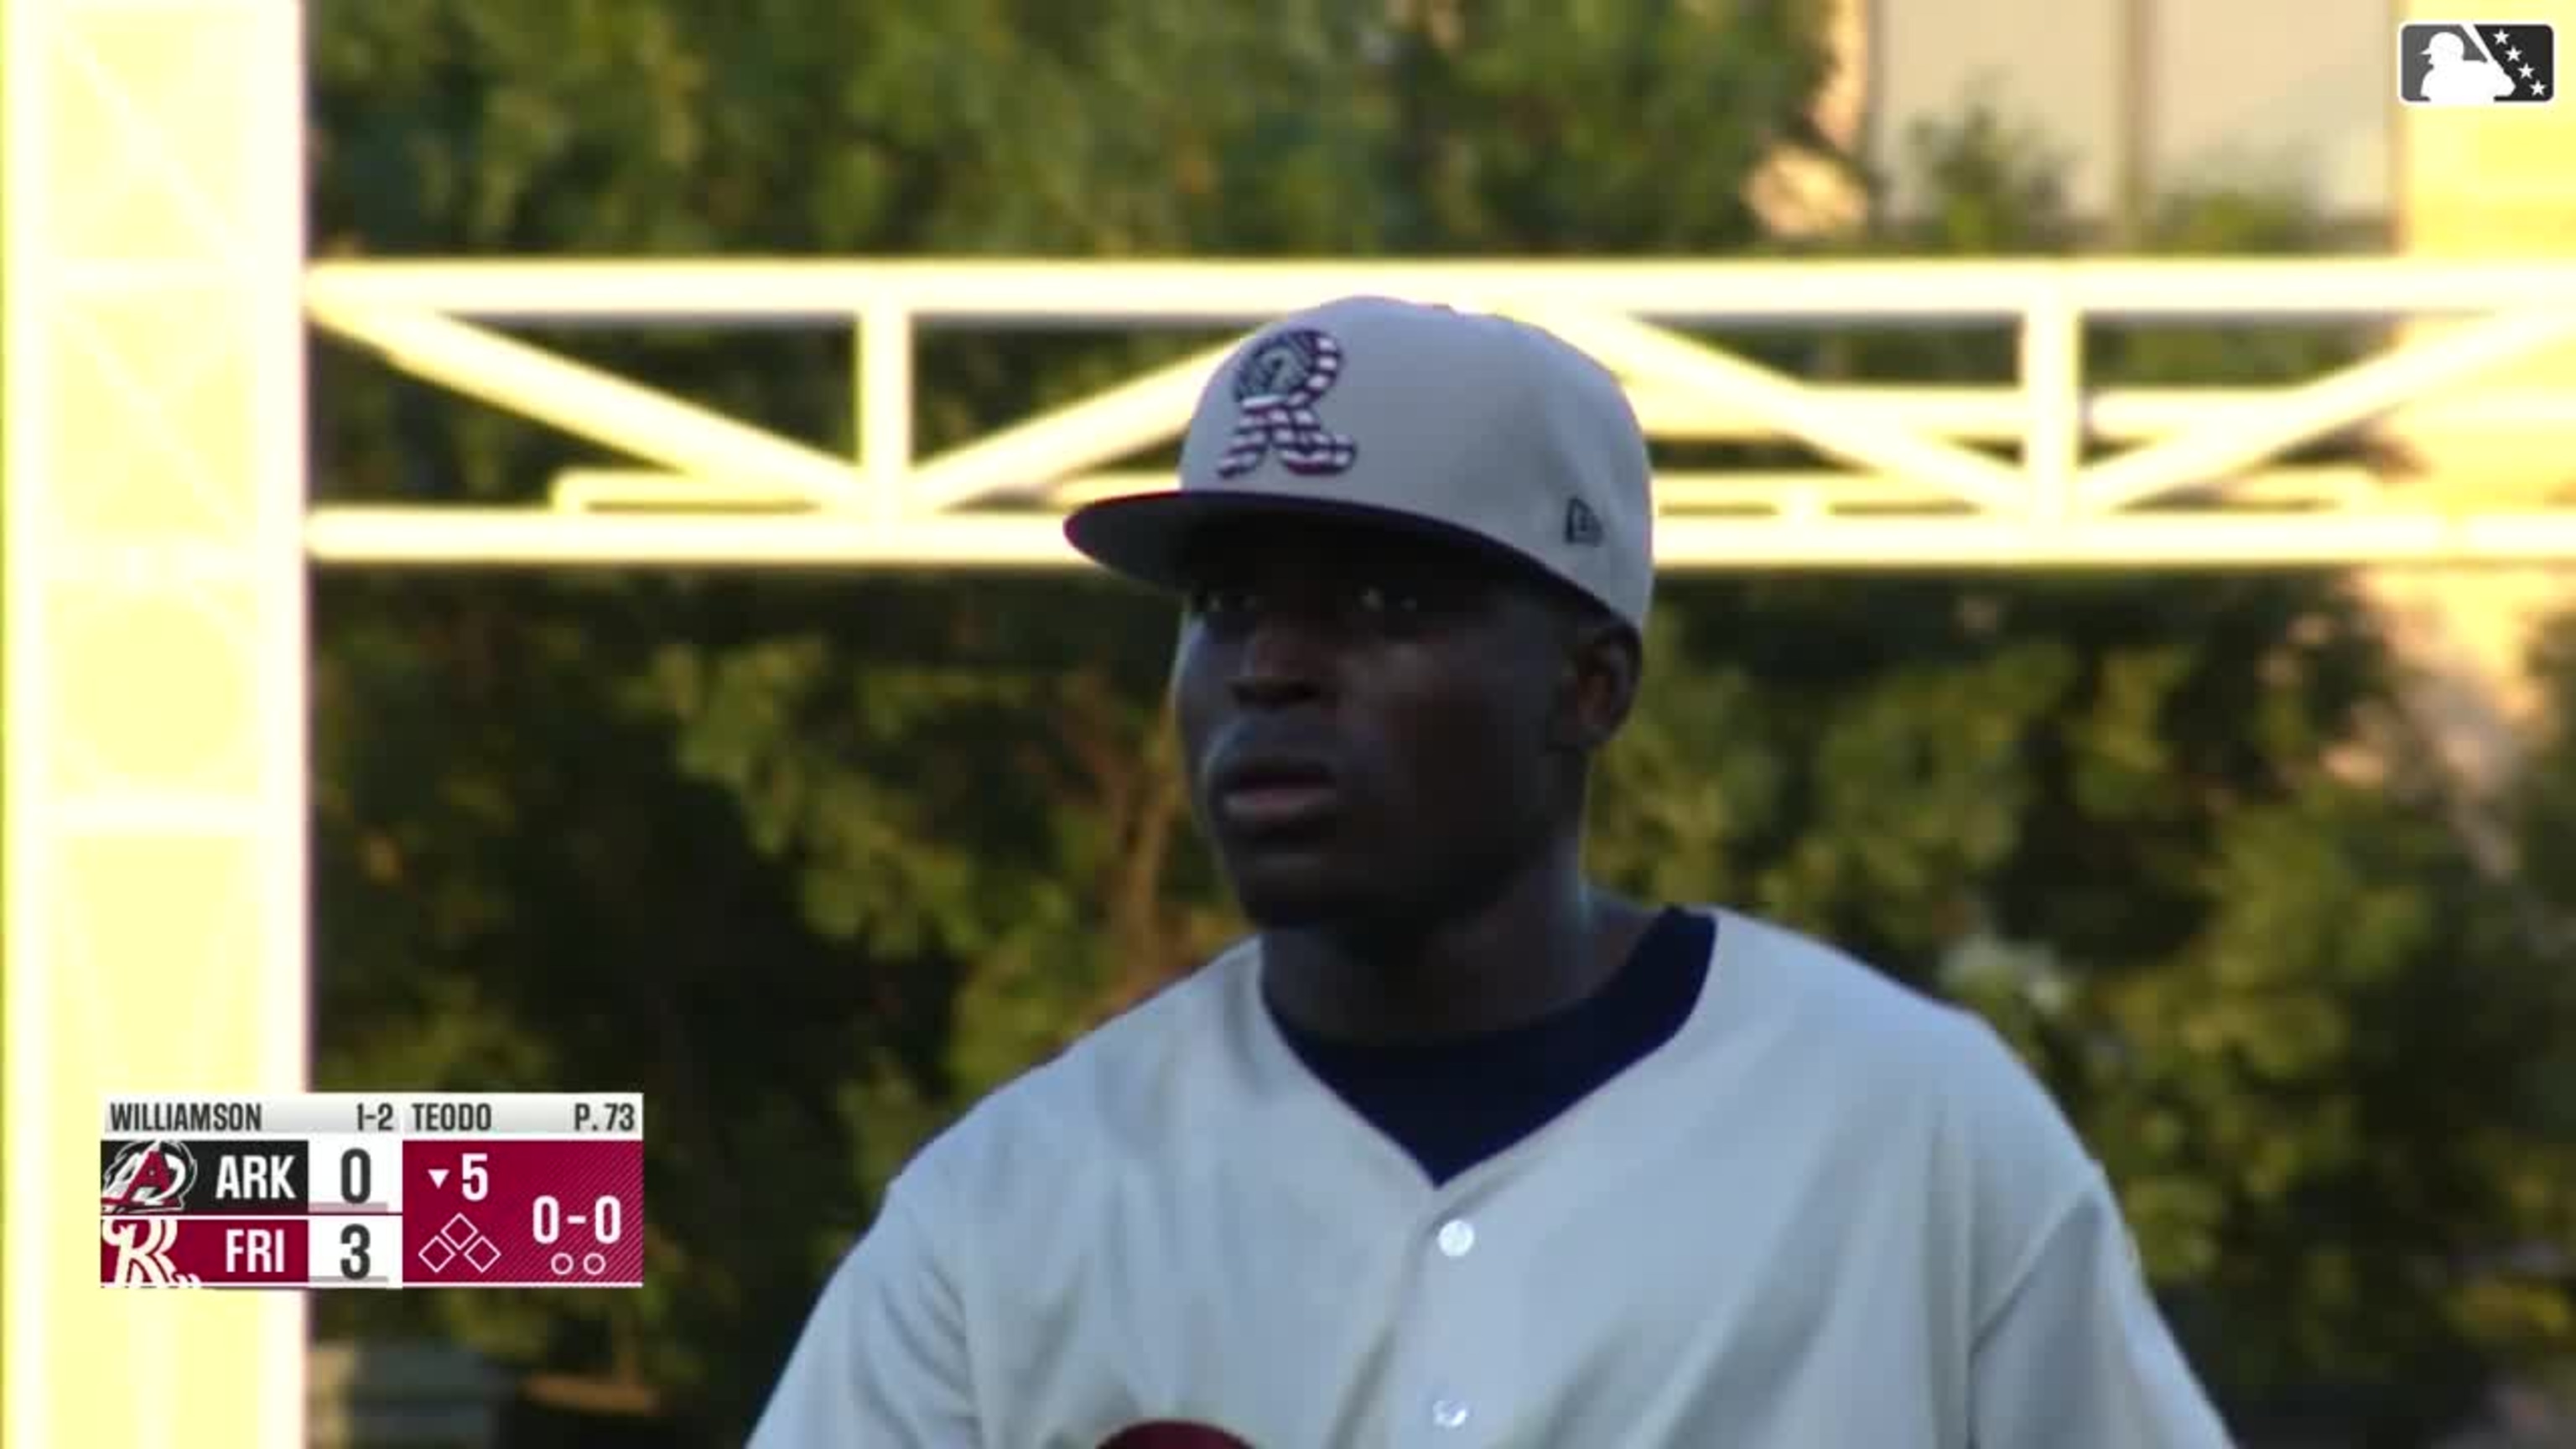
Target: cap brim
[{"x": 1148, "y": 536}]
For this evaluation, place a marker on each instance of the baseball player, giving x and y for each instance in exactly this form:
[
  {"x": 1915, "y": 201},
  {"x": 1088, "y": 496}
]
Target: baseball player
[{"x": 1458, "y": 1148}]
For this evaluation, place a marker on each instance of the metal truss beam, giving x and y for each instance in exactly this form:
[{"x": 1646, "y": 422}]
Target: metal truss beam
[
  {"x": 688, "y": 540},
  {"x": 2048, "y": 470}
]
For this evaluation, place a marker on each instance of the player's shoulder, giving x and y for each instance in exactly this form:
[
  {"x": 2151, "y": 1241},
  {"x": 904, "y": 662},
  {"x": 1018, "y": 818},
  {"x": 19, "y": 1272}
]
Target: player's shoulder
[
  {"x": 1831, "y": 996},
  {"x": 1123, "y": 1088},
  {"x": 1863, "y": 1034}
]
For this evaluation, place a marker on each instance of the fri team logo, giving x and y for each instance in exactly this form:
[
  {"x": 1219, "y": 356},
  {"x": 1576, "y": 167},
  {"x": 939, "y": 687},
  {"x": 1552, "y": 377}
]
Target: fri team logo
[
  {"x": 2477, "y": 63},
  {"x": 142, "y": 1248},
  {"x": 151, "y": 1176}
]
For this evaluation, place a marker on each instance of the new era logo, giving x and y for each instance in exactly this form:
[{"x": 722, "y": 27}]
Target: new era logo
[
  {"x": 2477, "y": 63},
  {"x": 1582, "y": 525}
]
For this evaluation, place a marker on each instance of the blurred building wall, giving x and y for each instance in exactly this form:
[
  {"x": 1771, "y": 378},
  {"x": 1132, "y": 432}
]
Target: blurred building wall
[
  {"x": 2494, "y": 183},
  {"x": 2141, "y": 97},
  {"x": 2147, "y": 95}
]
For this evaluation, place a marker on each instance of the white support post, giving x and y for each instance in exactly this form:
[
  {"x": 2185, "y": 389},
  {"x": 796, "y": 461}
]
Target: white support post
[
  {"x": 2052, "y": 375},
  {"x": 153, "y": 686},
  {"x": 885, "y": 408}
]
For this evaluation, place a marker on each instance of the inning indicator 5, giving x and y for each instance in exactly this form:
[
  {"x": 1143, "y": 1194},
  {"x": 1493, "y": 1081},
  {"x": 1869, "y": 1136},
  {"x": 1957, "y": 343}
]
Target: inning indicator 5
[{"x": 561, "y": 1212}]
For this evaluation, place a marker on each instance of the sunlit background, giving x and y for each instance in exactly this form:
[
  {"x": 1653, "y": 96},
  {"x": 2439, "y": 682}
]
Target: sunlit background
[{"x": 447, "y": 653}]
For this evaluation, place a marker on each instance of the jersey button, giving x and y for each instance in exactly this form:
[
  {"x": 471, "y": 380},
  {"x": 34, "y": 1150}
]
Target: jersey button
[
  {"x": 1449, "y": 1413},
  {"x": 1457, "y": 1236}
]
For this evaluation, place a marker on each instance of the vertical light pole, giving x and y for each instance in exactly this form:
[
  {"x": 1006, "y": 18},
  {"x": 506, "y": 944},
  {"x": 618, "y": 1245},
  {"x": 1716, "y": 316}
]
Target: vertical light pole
[
  {"x": 154, "y": 703},
  {"x": 2134, "y": 181}
]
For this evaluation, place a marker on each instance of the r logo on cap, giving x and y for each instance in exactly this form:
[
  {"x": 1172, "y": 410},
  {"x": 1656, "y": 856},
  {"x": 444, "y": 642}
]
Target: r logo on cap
[{"x": 1276, "y": 387}]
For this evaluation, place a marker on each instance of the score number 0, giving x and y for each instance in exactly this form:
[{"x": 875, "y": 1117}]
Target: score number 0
[
  {"x": 357, "y": 1180},
  {"x": 357, "y": 1183},
  {"x": 607, "y": 1221}
]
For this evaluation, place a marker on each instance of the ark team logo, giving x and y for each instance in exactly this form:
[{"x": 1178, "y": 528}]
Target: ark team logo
[
  {"x": 1276, "y": 387},
  {"x": 2477, "y": 63},
  {"x": 150, "y": 1176}
]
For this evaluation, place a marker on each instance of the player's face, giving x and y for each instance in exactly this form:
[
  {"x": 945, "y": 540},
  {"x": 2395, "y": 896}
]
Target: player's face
[{"x": 1367, "y": 720}]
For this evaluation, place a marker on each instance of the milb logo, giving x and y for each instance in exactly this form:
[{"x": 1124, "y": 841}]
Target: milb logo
[{"x": 2477, "y": 63}]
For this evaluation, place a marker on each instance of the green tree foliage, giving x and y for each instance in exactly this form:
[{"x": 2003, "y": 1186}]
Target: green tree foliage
[{"x": 814, "y": 861}]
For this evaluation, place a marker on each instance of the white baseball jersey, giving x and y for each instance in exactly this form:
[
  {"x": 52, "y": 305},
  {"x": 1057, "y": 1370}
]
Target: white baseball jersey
[{"x": 1827, "y": 1213}]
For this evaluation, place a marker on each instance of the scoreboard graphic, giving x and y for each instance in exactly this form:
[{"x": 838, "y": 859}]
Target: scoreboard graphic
[{"x": 420, "y": 1190}]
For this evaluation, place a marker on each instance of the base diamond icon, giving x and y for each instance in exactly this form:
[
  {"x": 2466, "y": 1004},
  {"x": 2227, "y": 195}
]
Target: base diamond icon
[
  {"x": 482, "y": 1255},
  {"x": 458, "y": 1232},
  {"x": 436, "y": 1254}
]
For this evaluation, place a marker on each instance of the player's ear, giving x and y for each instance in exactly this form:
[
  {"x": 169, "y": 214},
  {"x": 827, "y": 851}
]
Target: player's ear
[{"x": 1604, "y": 664}]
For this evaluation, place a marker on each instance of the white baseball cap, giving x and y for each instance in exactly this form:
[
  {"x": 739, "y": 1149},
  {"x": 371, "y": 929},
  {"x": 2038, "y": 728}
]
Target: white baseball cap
[{"x": 1467, "y": 426}]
